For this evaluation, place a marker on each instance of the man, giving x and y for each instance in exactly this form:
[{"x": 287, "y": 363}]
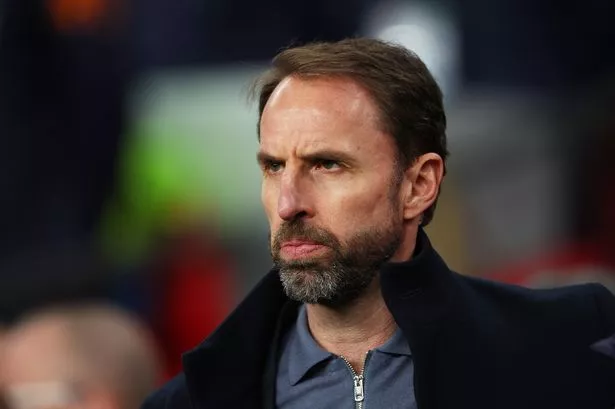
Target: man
[
  {"x": 359, "y": 310},
  {"x": 81, "y": 356}
]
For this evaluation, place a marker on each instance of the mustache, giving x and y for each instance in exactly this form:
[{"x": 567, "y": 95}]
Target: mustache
[{"x": 299, "y": 230}]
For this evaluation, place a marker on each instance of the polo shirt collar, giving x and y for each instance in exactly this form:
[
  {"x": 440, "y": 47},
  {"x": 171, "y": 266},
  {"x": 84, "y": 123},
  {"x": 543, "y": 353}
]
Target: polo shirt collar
[
  {"x": 396, "y": 345},
  {"x": 305, "y": 353}
]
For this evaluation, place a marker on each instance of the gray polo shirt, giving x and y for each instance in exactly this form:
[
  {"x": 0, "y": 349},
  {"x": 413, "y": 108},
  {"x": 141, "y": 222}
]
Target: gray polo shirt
[{"x": 310, "y": 377}]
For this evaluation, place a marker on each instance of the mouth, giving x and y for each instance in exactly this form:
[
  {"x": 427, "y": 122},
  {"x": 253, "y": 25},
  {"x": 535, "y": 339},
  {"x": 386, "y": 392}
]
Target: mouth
[{"x": 297, "y": 249}]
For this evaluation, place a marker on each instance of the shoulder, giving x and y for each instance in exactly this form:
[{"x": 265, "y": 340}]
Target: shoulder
[
  {"x": 565, "y": 294},
  {"x": 590, "y": 304},
  {"x": 173, "y": 394},
  {"x": 582, "y": 297}
]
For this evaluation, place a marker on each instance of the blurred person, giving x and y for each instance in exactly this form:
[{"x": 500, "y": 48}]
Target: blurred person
[
  {"x": 359, "y": 310},
  {"x": 80, "y": 356}
]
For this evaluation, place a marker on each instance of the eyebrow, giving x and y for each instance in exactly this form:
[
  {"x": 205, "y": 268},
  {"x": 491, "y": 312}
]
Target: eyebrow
[
  {"x": 264, "y": 157},
  {"x": 325, "y": 154}
]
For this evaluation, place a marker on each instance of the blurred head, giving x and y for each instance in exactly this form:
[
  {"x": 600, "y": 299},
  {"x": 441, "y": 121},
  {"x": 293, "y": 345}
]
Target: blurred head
[
  {"x": 352, "y": 149},
  {"x": 81, "y": 357}
]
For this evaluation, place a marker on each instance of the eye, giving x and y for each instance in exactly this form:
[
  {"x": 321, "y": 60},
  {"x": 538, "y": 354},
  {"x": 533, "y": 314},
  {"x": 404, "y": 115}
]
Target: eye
[
  {"x": 328, "y": 164},
  {"x": 272, "y": 167}
]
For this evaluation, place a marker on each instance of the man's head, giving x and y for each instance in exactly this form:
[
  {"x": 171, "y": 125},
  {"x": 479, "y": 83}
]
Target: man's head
[
  {"x": 352, "y": 148},
  {"x": 84, "y": 356}
]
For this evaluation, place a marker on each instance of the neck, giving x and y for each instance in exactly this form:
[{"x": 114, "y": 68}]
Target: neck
[{"x": 354, "y": 329}]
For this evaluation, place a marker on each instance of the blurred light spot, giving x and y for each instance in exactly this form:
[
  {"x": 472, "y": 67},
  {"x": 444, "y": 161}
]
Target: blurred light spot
[
  {"x": 70, "y": 15},
  {"x": 425, "y": 29}
]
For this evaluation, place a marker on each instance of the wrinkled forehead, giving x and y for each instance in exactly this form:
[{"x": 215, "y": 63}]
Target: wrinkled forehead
[{"x": 320, "y": 113}]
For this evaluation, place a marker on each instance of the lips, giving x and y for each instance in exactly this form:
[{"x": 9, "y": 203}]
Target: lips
[{"x": 300, "y": 248}]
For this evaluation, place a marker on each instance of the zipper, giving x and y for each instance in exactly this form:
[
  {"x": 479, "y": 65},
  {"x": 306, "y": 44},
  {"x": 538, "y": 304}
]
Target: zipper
[{"x": 358, "y": 382}]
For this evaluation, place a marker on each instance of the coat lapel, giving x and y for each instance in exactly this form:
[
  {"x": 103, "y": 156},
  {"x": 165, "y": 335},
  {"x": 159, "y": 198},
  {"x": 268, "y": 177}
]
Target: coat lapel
[
  {"x": 420, "y": 294},
  {"x": 226, "y": 370}
]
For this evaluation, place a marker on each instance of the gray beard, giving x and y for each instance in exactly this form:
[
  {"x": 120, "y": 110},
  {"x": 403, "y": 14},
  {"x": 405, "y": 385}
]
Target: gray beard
[
  {"x": 331, "y": 285},
  {"x": 344, "y": 277},
  {"x": 350, "y": 267}
]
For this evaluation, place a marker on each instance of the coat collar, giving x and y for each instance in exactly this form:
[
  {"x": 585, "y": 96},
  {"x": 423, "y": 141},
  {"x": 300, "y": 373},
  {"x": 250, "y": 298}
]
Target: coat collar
[
  {"x": 421, "y": 294},
  {"x": 226, "y": 370}
]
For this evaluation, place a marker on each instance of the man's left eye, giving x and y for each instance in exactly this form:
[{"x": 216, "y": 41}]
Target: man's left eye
[{"x": 328, "y": 164}]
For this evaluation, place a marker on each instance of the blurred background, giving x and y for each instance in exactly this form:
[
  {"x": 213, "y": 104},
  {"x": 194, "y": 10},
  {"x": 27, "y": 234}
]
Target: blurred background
[{"x": 127, "y": 147}]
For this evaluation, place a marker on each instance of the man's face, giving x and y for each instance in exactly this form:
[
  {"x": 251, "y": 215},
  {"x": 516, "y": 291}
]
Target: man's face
[{"x": 330, "y": 188}]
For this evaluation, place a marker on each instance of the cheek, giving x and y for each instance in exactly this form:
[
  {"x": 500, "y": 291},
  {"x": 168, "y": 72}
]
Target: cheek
[
  {"x": 269, "y": 199},
  {"x": 350, "y": 211},
  {"x": 363, "y": 204}
]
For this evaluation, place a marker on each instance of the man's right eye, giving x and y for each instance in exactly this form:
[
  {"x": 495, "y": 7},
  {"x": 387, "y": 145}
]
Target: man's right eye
[{"x": 273, "y": 167}]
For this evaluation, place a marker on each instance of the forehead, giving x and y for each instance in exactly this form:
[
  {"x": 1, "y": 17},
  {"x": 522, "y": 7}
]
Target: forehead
[
  {"x": 320, "y": 111},
  {"x": 37, "y": 351}
]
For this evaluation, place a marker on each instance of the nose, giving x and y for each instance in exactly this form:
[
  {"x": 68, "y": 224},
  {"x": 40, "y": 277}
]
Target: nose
[{"x": 293, "y": 199}]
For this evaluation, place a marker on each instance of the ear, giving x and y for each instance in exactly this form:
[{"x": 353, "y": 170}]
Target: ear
[{"x": 422, "y": 184}]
